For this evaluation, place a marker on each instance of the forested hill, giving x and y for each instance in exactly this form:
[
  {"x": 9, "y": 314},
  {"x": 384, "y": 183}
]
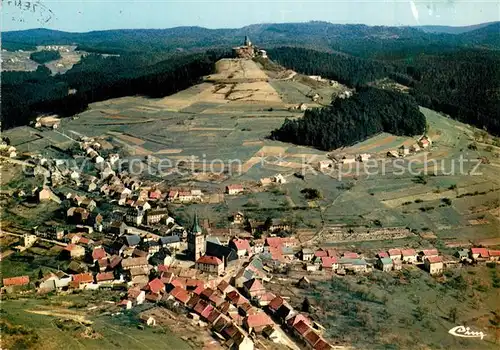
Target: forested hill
[
  {"x": 353, "y": 38},
  {"x": 25, "y": 95},
  {"x": 464, "y": 83},
  {"x": 345, "y": 122}
]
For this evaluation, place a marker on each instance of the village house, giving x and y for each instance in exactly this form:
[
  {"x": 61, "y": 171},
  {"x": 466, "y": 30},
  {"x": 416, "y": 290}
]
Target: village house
[
  {"x": 306, "y": 254},
  {"x": 74, "y": 251},
  {"x": 185, "y": 196},
  {"x": 132, "y": 241},
  {"x": 12, "y": 284},
  {"x": 82, "y": 280},
  {"x": 134, "y": 216},
  {"x": 278, "y": 225},
  {"x": 415, "y": 148},
  {"x": 234, "y": 189},
  {"x": 210, "y": 264},
  {"x": 130, "y": 263},
  {"x": 98, "y": 254},
  {"x": 279, "y": 179},
  {"x": 425, "y": 142},
  {"x": 434, "y": 264},
  {"x": 136, "y": 295},
  {"x": 409, "y": 256},
  {"x": 479, "y": 254},
  {"x": 265, "y": 181},
  {"x": 325, "y": 164},
  {"x": 155, "y": 216},
  {"x": 257, "y": 322},
  {"x": 253, "y": 288},
  {"x": 427, "y": 253},
  {"x": 49, "y": 232},
  {"x": 258, "y": 246},
  {"x": 462, "y": 255},
  {"x": 54, "y": 281},
  {"x": 329, "y": 263},
  {"x": 394, "y": 254},
  {"x": 154, "y": 194},
  {"x": 348, "y": 159},
  {"x": 363, "y": 157},
  {"x": 494, "y": 255},
  {"x": 403, "y": 150},
  {"x": 385, "y": 264},
  {"x": 171, "y": 242},
  {"x": 392, "y": 154},
  {"x": 241, "y": 246},
  {"x": 105, "y": 278}
]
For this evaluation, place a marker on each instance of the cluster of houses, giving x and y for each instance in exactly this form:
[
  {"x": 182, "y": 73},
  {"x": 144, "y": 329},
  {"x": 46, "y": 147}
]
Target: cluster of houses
[
  {"x": 422, "y": 144},
  {"x": 7, "y": 150}
]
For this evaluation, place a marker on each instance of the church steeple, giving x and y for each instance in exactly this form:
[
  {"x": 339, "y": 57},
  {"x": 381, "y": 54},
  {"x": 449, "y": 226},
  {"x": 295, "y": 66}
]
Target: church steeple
[
  {"x": 196, "y": 240},
  {"x": 196, "y": 228}
]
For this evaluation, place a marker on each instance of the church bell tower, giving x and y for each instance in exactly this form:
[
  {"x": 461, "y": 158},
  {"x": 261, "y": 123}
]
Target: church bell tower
[{"x": 196, "y": 240}]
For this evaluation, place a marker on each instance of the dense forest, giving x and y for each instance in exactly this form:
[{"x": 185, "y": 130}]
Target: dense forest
[
  {"x": 463, "y": 83},
  {"x": 347, "y": 121},
  {"x": 45, "y": 56},
  {"x": 97, "y": 78}
]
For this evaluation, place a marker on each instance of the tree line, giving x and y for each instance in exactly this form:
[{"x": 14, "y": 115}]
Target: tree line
[
  {"x": 96, "y": 78},
  {"x": 347, "y": 121},
  {"x": 461, "y": 82}
]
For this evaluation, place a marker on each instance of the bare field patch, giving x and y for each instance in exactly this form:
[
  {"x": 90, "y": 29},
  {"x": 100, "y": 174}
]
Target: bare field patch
[
  {"x": 271, "y": 151},
  {"x": 252, "y": 143},
  {"x": 169, "y": 151},
  {"x": 127, "y": 138}
]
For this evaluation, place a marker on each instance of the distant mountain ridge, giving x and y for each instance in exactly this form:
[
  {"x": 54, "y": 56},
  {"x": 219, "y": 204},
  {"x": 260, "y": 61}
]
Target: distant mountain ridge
[
  {"x": 352, "y": 38},
  {"x": 452, "y": 29}
]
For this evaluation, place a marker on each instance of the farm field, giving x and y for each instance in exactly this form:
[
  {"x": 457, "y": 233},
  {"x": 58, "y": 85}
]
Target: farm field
[
  {"x": 203, "y": 128},
  {"x": 401, "y": 310},
  {"x": 64, "y": 322}
]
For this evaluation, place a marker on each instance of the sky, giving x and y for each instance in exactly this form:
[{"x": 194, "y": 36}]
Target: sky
[{"x": 87, "y": 15}]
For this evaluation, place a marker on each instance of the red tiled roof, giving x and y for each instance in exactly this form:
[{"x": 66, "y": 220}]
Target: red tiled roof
[
  {"x": 200, "y": 306},
  {"x": 105, "y": 276},
  {"x": 236, "y": 298},
  {"x": 242, "y": 244},
  {"x": 350, "y": 255},
  {"x": 16, "y": 281},
  {"x": 235, "y": 187},
  {"x": 494, "y": 252},
  {"x": 312, "y": 337},
  {"x": 224, "y": 287},
  {"x": 180, "y": 294},
  {"x": 302, "y": 328},
  {"x": 274, "y": 241},
  {"x": 213, "y": 316},
  {"x": 382, "y": 255},
  {"x": 408, "y": 252},
  {"x": 275, "y": 304},
  {"x": 176, "y": 282},
  {"x": 156, "y": 286},
  {"x": 71, "y": 247},
  {"x": 162, "y": 268},
  {"x": 322, "y": 345},
  {"x": 434, "y": 259},
  {"x": 207, "y": 293},
  {"x": 83, "y": 278},
  {"x": 134, "y": 292},
  {"x": 393, "y": 252},
  {"x": 483, "y": 252},
  {"x": 428, "y": 252},
  {"x": 292, "y": 321},
  {"x": 115, "y": 260},
  {"x": 98, "y": 253},
  {"x": 253, "y": 285},
  {"x": 328, "y": 261},
  {"x": 257, "y": 320},
  {"x": 320, "y": 253},
  {"x": 209, "y": 260}
]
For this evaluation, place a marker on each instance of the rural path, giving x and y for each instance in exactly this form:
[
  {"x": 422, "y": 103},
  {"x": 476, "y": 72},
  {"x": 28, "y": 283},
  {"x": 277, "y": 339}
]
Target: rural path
[
  {"x": 17, "y": 161},
  {"x": 2, "y": 232}
]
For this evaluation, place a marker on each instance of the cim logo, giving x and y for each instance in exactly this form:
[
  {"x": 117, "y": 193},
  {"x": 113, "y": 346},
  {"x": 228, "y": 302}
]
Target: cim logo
[{"x": 465, "y": 332}]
